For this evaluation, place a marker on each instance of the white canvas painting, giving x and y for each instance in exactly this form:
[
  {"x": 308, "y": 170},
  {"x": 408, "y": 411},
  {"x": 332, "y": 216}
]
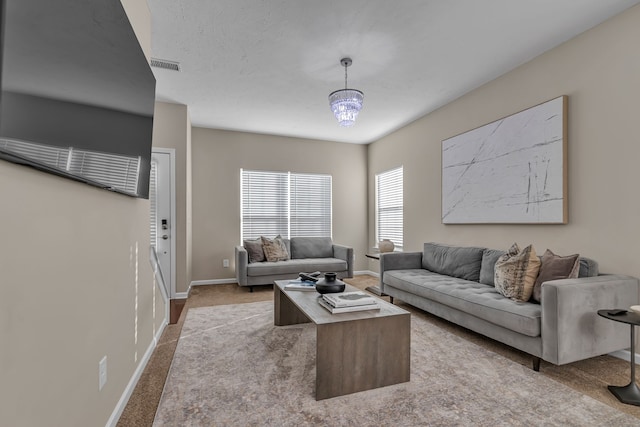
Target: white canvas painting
[{"x": 508, "y": 171}]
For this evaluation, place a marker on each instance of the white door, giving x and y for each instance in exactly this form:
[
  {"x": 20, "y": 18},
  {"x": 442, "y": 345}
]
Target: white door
[{"x": 161, "y": 199}]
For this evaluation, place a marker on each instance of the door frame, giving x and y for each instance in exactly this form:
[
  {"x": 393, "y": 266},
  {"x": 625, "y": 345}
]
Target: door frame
[{"x": 172, "y": 170}]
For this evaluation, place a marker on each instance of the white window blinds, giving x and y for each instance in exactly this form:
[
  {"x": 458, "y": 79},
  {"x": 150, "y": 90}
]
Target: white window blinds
[
  {"x": 113, "y": 170},
  {"x": 153, "y": 210},
  {"x": 285, "y": 203},
  {"x": 389, "y": 206},
  {"x": 310, "y": 213},
  {"x": 56, "y": 157}
]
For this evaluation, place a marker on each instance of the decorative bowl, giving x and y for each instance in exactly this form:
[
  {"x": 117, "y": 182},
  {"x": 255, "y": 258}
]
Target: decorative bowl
[
  {"x": 330, "y": 277},
  {"x": 635, "y": 308},
  {"x": 324, "y": 287}
]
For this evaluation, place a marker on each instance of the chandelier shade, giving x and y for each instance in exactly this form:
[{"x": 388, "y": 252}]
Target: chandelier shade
[{"x": 346, "y": 103}]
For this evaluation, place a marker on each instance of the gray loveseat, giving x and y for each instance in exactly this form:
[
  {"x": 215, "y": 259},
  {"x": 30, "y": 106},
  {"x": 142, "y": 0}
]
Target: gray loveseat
[
  {"x": 456, "y": 283},
  {"x": 306, "y": 254}
]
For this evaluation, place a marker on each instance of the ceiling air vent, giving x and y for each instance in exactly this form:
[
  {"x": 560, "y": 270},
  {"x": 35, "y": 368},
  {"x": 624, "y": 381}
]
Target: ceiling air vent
[{"x": 163, "y": 63}]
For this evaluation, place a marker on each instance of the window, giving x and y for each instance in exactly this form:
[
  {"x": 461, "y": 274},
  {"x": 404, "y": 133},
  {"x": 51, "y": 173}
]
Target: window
[
  {"x": 285, "y": 203},
  {"x": 389, "y": 207}
]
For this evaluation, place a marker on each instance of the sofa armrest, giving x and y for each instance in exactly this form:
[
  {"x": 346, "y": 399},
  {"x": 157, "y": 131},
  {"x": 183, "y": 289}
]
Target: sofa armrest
[
  {"x": 571, "y": 327},
  {"x": 398, "y": 261},
  {"x": 344, "y": 253},
  {"x": 242, "y": 260}
]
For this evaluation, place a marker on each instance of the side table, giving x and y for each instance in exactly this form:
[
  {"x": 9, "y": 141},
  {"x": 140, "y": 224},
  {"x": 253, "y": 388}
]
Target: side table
[
  {"x": 630, "y": 393},
  {"x": 374, "y": 289}
]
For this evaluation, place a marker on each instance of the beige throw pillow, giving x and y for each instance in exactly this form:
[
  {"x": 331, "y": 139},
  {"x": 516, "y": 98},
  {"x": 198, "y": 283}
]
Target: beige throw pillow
[
  {"x": 274, "y": 250},
  {"x": 516, "y": 272},
  {"x": 555, "y": 267}
]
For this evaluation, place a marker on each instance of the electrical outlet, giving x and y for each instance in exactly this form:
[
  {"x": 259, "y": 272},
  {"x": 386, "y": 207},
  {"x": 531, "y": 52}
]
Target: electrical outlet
[
  {"x": 102, "y": 373},
  {"x": 225, "y": 263}
]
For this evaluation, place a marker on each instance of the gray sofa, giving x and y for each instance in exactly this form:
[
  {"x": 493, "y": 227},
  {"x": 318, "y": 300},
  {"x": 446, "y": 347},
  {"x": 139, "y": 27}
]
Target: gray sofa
[
  {"x": 456, "y": 283},
  {"x": 307, "y": 254}
]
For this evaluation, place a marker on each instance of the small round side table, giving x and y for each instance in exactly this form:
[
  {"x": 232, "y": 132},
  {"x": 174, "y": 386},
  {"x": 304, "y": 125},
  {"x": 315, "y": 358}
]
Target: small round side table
[{"x": 630, "y": 393}]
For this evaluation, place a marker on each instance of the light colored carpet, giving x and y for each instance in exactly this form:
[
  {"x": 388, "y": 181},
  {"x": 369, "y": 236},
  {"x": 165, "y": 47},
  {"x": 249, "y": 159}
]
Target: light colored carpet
[{"x": 232, "y": 366}]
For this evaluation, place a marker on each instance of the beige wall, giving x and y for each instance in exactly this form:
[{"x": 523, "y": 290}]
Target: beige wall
[
  {"x": 599, "y": 71},
  {"x": 217, "y": 159},
  {"x": 172, "y": 129},
  {"x": 76, "y": 285}
]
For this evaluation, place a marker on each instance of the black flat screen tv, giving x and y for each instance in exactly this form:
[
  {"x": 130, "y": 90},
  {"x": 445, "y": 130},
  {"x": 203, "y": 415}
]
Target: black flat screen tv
[{"x": 77, "y": 93}]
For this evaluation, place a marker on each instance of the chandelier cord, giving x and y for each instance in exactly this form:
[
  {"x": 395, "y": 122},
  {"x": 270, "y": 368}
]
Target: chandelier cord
[{"x": 345, "y": 75}]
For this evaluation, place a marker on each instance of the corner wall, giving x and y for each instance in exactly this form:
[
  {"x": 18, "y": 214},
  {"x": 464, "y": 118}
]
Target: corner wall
[
  {"x": 598, "y": 70},
  {"x": 172, "y": 129},
  {"x": 217, "y": 159}
]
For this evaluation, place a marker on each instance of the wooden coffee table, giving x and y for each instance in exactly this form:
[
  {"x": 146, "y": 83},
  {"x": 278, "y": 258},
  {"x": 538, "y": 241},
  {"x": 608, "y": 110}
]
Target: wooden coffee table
[{"x": 354, "y": 351}]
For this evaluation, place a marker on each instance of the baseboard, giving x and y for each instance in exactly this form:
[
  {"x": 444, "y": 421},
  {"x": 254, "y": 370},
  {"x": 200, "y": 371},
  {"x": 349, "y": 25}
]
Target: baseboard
[
  {"x": 625, "y": 355},
  {"x": 182, "y": 295},
  {"x": 122, "y": 403},
  {"x": 214, "y": 282},
  {"x": 366, "y": 272}
]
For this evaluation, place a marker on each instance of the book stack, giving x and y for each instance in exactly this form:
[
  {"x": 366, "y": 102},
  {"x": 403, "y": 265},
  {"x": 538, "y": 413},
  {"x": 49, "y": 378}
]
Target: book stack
[
  {"x": 304, "y": 282},
  {"x": 300, "y": 285},
  {"x": 345, "y": 302}
]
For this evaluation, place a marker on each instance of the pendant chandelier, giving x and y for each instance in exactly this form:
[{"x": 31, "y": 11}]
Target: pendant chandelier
[{"x": 346, "y": 103}]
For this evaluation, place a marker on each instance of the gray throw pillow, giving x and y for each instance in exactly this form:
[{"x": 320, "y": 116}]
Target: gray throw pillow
[
  {"x": 311, "y": 247},
  {"x": 555, "y": 267},
  {"x": 254, "y": 250},
  {"x": 274, "y": 250},
  {"x": 588, "y": 267},
  {"x": 488, "y": 267},
  {"x": 456, "y": 261}
]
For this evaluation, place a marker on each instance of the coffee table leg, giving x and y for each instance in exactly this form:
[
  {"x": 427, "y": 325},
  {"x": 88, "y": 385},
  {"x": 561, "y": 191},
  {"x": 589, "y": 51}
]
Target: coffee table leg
[
  {"x": 362, "y": 354},
  {"x": 285, "y": 312}
]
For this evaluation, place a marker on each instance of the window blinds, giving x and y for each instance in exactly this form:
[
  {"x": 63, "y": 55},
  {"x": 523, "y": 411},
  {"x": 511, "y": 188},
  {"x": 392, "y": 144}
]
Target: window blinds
[
  {"x": 389, "y": 206},
  {"x": 56, "y": 157},
  {"x": 284, "y": 203},
  {"x": 153, "y": 211},
  {"x": 310, "y": 213},
  {"x": 113, "y": 170}
]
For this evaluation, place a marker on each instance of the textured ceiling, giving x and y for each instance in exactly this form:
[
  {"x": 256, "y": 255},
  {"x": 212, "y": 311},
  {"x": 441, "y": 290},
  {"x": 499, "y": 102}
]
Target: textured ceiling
[{"x": 268, "y": 66}]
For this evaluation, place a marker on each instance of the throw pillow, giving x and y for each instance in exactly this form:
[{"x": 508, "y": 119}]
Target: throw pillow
[
  {"x": 458, "y": 261},
  {"x": 488, "y": 266},
  {"x": 275, "y": 249},
  {"x": 555, "y": 267},
  {"x": 516, "y": 272},
  {"x": 254, "y": 250}
]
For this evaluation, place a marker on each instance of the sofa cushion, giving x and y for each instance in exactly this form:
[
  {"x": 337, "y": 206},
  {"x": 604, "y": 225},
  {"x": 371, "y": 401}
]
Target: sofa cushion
[
  {"x": 254, "y": 250},
  {"x": 274, "y": 249},
  {"x": 555, "y": 267},
  {"x": 456, "y": 261},
  {"x": 516, "y": 272},
  {"x": 295, "y": 266},
  {"x": 311, "y": 247},
  {"x": 488, "y": 266},
  {"x": 474, "y": 298}
]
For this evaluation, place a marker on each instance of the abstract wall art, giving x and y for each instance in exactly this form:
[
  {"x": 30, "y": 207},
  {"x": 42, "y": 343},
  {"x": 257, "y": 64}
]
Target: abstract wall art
[{"x": 511, "y": 171}]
